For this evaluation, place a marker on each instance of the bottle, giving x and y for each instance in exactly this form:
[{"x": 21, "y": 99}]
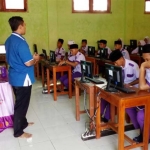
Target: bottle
[{"x": 3, "y": 72}]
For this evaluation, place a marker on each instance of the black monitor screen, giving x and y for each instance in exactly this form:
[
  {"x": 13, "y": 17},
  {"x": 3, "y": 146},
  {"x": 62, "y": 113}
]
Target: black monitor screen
[
  {"x": 45, "y": 54},
  {"x": 86, "y": 69},
  {"x": 91, "y": 51},
  {"x": 35, "y": 48},
  {"x": 140, "y": 48},
  {"x": 103, "y": 53},
  {"x": 133, "y": 44},
  {"x": 114, "y": 75},
  {"x": 52, "y": 56}
]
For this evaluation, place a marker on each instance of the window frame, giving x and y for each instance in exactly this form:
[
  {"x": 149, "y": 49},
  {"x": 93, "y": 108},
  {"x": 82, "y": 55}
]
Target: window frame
[
  {"x": 91, "y": 8},
  {"x": 145, "y": 8},
  {"x": 3, "y": 8}
]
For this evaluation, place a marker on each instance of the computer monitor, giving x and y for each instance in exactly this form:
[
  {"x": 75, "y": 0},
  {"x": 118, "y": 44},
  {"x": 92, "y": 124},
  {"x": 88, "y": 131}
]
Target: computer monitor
[
  {"x": 45, "y": 53},
  {"x": 140, "y": 48},
  {"x": 35, "y": 48},
  {"x": 52, "y": 56},
  {"x": 114, "y": 77},
  {"x": 103, "y": 53},
  {"x": 133, "y": 44},
  {"x": 2, "y": 49},
  {"x": 86, "y": 70},
  {"x": 91, "y": 51}
]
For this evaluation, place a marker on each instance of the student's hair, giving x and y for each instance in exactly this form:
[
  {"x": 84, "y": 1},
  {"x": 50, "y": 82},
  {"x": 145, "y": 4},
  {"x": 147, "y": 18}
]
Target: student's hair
[
  {"x": 103, "y": 41},
  {"x": 15, "y": 21},
  {"x": 84, "y": 40},
  {"x": 146, "y": 48},
  {"x": 118, "y": 42},
  {"x": 61, "y": 41},
  {"x": 115, "y": 55}
]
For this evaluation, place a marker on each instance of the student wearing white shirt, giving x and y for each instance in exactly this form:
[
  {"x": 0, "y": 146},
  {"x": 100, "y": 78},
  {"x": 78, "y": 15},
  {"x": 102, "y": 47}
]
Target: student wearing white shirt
[
  {"x": 118, "y": 45},
  {"x": 140, "y": 43},
  {"x": 130, "y": 75},
  {"x": 84, "y": 47},
  {"x": 70, "y": 42},
  {"x": 60, "y": 51},
  {"x": 73, "y": 61}
]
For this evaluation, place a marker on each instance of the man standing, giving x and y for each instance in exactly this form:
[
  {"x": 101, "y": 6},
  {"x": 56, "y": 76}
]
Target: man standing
[{"x": 21, "y": 73}]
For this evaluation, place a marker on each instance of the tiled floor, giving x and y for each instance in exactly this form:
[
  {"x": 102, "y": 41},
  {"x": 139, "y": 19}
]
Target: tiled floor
[{"x": 55, "y": 127}]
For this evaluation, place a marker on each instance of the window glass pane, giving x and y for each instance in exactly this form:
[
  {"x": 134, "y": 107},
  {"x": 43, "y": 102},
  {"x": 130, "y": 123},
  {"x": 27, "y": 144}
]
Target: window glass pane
[
  {"x": 81, "y": 4},
  {"x": 100, "y": 5},
  {"x": 147, "y": 6},
  {"x": 14, "y": 4}
]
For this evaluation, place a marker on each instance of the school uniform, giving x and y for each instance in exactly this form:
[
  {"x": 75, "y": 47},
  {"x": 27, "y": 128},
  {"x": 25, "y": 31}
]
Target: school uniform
[
  {"x": 125, "y": 54},
  {"x": 109, "y": 50},
  {"x": 85, "y": 48},
  {"x": 21, "y": 77},
  {"x": 59, "y": 53},
  {"x": 130, "y": 73},
  {"x": 69, "y": 54},
  {"x": 76, "y": 72}
]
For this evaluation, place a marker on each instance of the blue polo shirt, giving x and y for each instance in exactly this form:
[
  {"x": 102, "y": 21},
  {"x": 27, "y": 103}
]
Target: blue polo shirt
[{"x": 17, "y": 54}]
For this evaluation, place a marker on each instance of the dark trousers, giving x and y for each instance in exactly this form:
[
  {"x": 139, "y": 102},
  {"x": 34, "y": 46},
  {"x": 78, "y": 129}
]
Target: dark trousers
[{"x": 22, "y": 95}]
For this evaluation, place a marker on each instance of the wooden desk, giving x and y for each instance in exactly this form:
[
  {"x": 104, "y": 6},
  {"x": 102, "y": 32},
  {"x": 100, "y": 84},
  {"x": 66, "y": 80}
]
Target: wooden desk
[
  {"x": 101, "y": 63},
  {"x": 123, "y": 101},
  {"x": 137, "y": 58},
  {"x": 90, "y": 89},
  {"x": 54, "y": 69},
  {"x": 3, "y": 59},
  {"x": 93, "y": 60}
]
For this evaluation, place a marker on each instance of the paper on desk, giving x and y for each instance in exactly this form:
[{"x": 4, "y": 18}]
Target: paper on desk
[{"x": 101, "y": 85}]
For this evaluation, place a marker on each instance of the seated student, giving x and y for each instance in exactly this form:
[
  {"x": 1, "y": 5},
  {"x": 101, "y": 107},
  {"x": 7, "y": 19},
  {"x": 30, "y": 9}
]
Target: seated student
[
  {"x": 70, "y": 42},
  {"x": 84, "y": 47},
  {"x": 144, "y": 84},
  {"x": 118, "y": 45},
  {"x": 60, "y": 52},
  {"x": 103, "y": 44},
  {"x": 73, "y": 61},
  {"x": 120, "y": 39},
  {"x": 140, "y": 43},
  {"x": 147, "y": 40},
  {"x": 130, "y": 75}
]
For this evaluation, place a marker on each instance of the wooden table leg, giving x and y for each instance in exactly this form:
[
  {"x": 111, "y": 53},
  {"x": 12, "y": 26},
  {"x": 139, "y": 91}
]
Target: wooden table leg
[
  {"x": 112, "y": 113},
  {"x": 91, "y": 101},
  {"x": 98, "y": 118},
  {"x": 54, "y": 84},
  {"x": 42, "y": 68},
  {"x": 70, "y": 85},
  {"x": 121, "y": 110},
  {"x": 146, "y": 127},
  {"x": 48, "y": 80},
  {"x": 77, "y": 101}
]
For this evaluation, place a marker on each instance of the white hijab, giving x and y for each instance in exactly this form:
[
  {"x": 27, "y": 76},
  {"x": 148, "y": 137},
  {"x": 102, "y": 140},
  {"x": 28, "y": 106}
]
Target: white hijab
[
  {"x": 142, "y": 42},
  {"x": 148, "y": 39}
]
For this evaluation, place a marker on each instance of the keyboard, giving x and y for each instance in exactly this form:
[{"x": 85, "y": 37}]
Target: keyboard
[
  {"x": 125, "y": 90},
  {"x": 94, "y": 80}
]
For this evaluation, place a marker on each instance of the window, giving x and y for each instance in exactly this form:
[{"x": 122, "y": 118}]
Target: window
[
  {"x": 147, "y": 6},
  {"x": 91, "y": 6},
  {"x": 13, "y": 5}
]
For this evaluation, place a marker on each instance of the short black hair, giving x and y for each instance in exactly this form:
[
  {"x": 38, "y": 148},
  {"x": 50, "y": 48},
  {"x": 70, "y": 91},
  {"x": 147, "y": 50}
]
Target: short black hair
[
  {"x": 84, "y": 40},
  {"x": 146, "y": 48},
  {"x": 118, "y": 42},
  {"x": 103, "y": 41},
  {"x": 115, "y": 55},
  {"x": 61, "y": 41},
  {"x": 15, "y": 21}
]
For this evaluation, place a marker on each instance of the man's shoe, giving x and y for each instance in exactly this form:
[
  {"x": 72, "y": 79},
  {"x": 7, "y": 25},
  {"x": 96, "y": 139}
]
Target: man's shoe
[{"x": 138, "y": 139}]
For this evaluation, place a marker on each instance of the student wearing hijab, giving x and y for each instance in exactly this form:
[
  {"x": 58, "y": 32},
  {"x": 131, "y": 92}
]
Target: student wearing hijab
[
  {"x": 131, "y": 74},
  {"x": 118, "y": 45},
  {"x": 120, "y": 39},
  {"x": 147, "y": 40},
  {"x": 144, "y": 84},
  {"x": 140, "y": 43}
]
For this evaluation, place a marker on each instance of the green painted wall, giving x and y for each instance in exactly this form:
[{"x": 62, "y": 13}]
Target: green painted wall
[{"x": 48, "y": 20}]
